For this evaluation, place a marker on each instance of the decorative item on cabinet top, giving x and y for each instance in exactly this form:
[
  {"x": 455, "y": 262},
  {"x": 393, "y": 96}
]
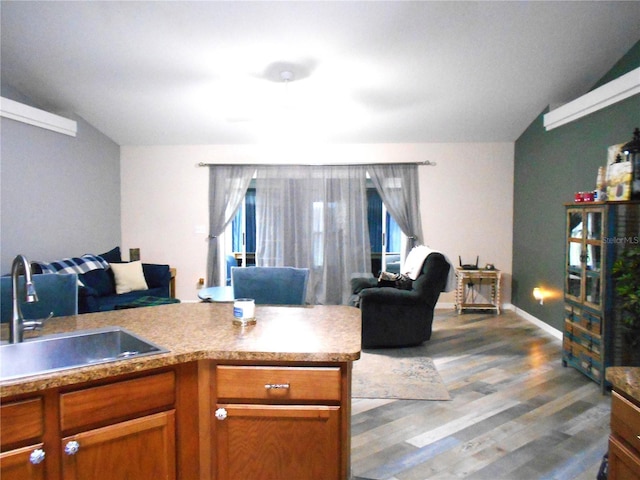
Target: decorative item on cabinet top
[
  {"x": 631, "y": 151},
  {"x": 623, "y": 170}
]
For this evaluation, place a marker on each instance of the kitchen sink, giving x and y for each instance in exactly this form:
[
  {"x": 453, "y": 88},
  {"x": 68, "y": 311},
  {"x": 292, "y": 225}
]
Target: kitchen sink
[{"x": 63, "y": 351}]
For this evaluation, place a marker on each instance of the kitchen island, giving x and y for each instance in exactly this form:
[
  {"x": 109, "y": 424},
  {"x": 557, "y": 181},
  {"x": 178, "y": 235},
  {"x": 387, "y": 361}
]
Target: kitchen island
[
  {"x": 624, "y": 441},
  {"x": 268, "y": 400}
]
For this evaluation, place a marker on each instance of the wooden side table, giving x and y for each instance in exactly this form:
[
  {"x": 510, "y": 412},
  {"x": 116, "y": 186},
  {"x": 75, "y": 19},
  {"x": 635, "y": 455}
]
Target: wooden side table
[
  {"x": 469, "y": 283},
  {"x": 172, "y": 283}
]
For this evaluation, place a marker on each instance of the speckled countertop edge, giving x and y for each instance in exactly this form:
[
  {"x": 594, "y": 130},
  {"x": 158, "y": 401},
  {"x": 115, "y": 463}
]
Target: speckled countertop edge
[
  {"x": 625, "y": 379},
  {"x": 201, "y": 331}
]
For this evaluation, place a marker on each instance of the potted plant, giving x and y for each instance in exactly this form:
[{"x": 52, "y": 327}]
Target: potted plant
[{"x": 626, "y": 272}]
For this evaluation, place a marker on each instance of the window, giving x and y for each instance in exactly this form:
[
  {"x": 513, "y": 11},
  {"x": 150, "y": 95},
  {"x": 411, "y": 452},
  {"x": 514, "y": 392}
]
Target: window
[{"x": 383, "y": 230}]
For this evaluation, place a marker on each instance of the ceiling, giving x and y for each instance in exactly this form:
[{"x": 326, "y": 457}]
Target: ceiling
[{"x": 205, "y": 72}]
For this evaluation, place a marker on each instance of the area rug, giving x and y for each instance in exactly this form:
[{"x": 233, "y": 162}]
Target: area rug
[{"x": 402, "y": 373}]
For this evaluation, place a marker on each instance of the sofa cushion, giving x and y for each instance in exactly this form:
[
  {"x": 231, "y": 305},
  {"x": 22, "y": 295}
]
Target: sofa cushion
[
  {"x": 105, "y": 304},
  {"x": 112, "y": 256},
  {"x": 129, "y": 277},
  {"x": 100, "y": 280}
]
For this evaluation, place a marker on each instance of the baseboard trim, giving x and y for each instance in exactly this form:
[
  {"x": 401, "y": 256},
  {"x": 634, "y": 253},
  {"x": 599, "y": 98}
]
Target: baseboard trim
[
  {"x": 536, "y": 321},
  {"x": 518, "y": 311}
]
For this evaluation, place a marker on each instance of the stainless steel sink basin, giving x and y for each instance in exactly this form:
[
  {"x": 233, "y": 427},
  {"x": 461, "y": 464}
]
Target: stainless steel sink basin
[{"x": 70, "y": 350}]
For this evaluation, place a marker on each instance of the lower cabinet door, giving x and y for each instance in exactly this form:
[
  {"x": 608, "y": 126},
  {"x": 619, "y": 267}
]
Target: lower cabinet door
[
  {"x": 624, "y": 463},
  {"x": 23, "y": 463},
  {"x": 277, "y": 442},
  {"x": 141, "y": 449}
]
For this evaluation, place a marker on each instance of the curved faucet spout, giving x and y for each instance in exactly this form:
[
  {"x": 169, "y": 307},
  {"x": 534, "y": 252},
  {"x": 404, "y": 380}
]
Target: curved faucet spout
[{"x": 16, "y": 330}]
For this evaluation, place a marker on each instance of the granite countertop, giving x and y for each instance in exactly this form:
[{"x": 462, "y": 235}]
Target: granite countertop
[
  {"x": 199, "y": 331},
  {"x": 626, "y": 380}
]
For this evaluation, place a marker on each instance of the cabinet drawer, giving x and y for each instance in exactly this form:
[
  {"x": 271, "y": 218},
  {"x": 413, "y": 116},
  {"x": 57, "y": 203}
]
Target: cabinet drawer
[
  {"x": 278, "y": 383},
  {"x": 116, "y": 401},
  {"x": 592, "y": 323},
  {"x": 625, "y": 420},
  {"x": 21, "y": 421}
]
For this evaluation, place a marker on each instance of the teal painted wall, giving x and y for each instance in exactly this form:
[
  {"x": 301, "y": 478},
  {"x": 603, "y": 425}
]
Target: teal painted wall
[{"x": 549, "y": 168}]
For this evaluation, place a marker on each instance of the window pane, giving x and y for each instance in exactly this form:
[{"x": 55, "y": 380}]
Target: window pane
[
  {"x": 236, "y": 232},
  {"x": 236, "y": 224},
  {"x": 250, "y": 200},
  {"x": 374, "y": 217},
  {"x": 394, "y": 233}
]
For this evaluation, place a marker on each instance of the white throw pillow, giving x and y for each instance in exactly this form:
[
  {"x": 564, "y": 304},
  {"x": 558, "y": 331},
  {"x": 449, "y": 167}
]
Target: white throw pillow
[{"x": 129, "y": 277}]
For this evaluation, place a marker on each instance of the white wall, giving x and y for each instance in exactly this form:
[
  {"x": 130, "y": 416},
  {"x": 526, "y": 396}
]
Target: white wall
[{"x": 466, "y": 199}]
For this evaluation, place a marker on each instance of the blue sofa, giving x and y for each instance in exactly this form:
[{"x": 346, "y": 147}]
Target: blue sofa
[{"x": 98, "y": 290}]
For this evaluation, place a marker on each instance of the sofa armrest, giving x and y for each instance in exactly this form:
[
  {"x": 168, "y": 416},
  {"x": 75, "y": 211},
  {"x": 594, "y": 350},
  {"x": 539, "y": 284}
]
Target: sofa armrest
[
  {"x": 87, "y": 299},
  {"x": 360, "y": 281},
  {"x": 86, "y": 291},
  {"x": 156, "y": 275}
]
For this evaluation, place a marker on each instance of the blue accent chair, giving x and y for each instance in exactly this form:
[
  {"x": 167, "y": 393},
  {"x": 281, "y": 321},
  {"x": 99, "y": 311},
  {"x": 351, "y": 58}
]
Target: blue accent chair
[
  {"x": 57, "y": 294},
  {"x": 271, "y": 285}
]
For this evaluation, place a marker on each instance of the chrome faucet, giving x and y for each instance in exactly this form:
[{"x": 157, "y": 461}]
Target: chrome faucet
[{"x": 18, "y": 323}]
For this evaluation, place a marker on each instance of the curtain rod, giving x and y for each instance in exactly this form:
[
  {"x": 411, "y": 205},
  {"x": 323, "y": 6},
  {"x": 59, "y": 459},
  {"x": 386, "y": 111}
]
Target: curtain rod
[{"x": 427, "y": 163}]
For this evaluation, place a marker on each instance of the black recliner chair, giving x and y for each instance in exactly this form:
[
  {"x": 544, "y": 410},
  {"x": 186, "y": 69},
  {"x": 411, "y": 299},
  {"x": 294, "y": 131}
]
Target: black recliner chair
[{"x": 392, "y": 317}]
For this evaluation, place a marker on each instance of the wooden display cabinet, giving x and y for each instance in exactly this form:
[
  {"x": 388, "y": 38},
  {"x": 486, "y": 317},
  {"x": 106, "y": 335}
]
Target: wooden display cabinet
[
  {"x": 596, "y": 233},
  {"x": 583, "y": 345}
]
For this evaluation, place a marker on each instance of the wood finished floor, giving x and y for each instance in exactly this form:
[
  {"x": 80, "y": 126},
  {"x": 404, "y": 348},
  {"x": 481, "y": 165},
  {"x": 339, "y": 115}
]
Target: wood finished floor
[{"x": 516, "y": 413}]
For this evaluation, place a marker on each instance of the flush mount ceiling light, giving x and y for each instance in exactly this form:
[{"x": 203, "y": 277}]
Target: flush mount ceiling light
[{"x": 286, "y": 76}]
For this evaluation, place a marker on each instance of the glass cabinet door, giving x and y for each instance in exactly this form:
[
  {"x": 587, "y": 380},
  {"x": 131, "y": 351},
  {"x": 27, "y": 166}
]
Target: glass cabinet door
[
  {"x": 593, "y": 259},
  {"x": 573, "y": 281},
  {"x": 575, "y": 241},
  {"x": 594, "y": 225},
  {"x": 585, "y": 231}
]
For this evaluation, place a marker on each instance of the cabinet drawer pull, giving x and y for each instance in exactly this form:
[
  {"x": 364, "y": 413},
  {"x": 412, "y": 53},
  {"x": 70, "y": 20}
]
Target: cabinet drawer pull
[
  {"x": 221, "y": 413},
  {"x": 37, "y": 456},
  {"x": 276, "y": 386},
  {"x": 72, "y": 447}
]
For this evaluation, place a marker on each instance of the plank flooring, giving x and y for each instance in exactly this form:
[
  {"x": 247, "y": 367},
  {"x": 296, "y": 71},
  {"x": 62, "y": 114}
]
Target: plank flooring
[{"x": 516, "y": 413}]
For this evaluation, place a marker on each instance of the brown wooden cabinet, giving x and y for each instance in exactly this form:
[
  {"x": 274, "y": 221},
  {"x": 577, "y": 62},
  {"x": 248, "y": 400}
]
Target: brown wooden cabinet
[
  {"x": 21, "y": 433},
  {"x": 19, "y": 464},
  {"x": 143, "y": 448},
  {"x": 281, "y": 422},
  {"x": 624, "y": 441},
  {"x": 118, "y": 428}
]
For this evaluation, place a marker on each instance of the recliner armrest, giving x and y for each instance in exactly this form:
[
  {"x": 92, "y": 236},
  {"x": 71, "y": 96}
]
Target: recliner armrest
[
  {"x": 389, "y": 296},
  {"x": 360, "y": 281}
]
